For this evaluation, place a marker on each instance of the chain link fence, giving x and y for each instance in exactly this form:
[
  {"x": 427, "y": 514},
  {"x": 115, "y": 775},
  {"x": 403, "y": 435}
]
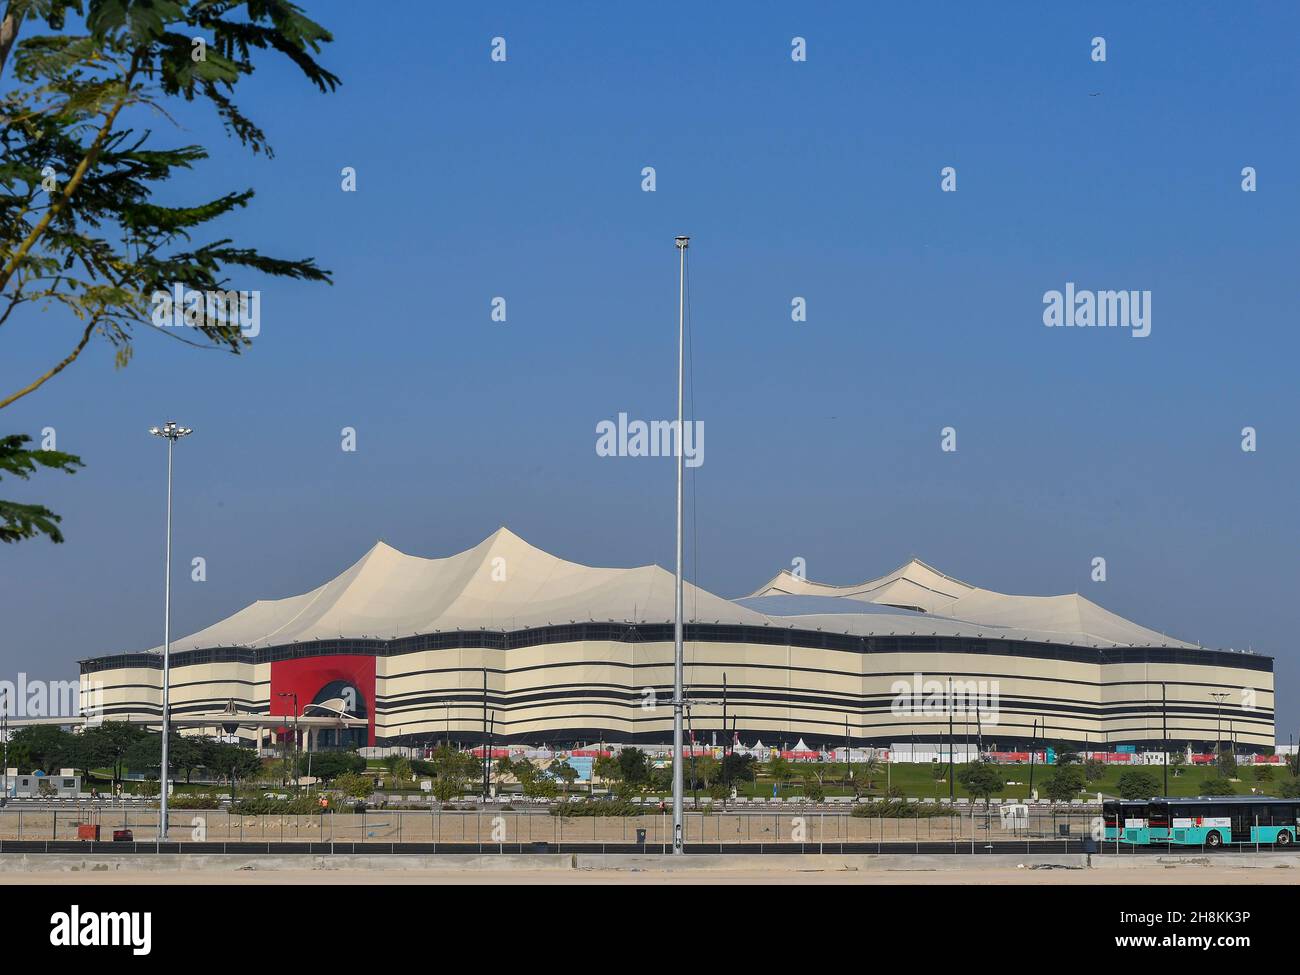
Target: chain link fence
[{"x": 755, "y": 825}]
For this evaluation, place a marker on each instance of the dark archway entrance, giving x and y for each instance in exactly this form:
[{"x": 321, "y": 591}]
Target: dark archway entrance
[{"x": 339, "y": 696}]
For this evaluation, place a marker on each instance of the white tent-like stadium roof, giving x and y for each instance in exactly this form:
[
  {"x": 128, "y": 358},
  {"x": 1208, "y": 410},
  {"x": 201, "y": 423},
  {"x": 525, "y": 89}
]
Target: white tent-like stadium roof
[
  {"x": 503, "y": 583},
  {"x": 929, "y": 597}
]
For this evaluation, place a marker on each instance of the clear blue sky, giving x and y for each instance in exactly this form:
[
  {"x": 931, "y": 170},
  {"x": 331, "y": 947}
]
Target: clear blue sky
[{"x": 818, "y": 179}]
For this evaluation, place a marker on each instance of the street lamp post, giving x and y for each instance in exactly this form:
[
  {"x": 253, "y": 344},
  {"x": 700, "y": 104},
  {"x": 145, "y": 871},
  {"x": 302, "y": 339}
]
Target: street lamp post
[
  {"x": 294, "y": 695},
  {"x": 1219, "y": 698},
  {"x": 171, "y": 433},
  {"x": 678, "y": 627},
  {"x": 4, "y": 732},
  {"x": 1164, "y": 722}
]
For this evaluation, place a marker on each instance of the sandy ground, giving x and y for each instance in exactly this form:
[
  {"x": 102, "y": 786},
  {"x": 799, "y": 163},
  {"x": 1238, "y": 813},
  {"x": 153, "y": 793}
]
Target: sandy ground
[{"x": 1182, "y": 875}]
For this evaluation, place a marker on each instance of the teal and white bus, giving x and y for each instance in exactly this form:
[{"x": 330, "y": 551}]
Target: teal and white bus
[
  {"x": 1128, "y": 821},
  {"x": 1219, "y": 820}
]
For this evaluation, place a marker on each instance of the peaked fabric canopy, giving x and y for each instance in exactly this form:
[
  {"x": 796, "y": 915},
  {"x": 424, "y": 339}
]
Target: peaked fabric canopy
[
  {"x": 920, "y": 588},
  {"x": 503, "y": 583}
]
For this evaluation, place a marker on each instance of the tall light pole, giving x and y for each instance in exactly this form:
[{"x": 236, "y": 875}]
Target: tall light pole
[
  {"x": 1164, "y": 721},
  {"x": 678, "y": 652},
  {"x": 1033, "y": 738},
  {"x": 171, "y": 433},
  {"x": 4, "y": 731},
  {"x": 952, "y": 785},
  {"x": 294, "y": 695},
  {"x": 1219, "y": 698}
]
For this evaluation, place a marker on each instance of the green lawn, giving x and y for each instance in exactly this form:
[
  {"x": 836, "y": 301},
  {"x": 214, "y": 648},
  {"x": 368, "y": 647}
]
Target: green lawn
[{"x": 918, "y": 781}]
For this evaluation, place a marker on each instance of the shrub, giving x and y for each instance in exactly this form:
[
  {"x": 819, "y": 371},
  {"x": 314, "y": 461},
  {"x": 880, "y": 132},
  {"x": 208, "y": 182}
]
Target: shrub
[
  {"x": 813, "y": 790},
  {"x": 1065, "y": 784},
  {"x": 981, "y": 779},
  {"x": 354, "y": 785},
  {"x": 1137, "y": 783},
  {"x": 538, "y": 788},
  {"x": 297, "y": 806},
  {"x": 1217, "y": 785},
  {"x": 900, "y": 809},
  {"x": 330, "y": 765},
  {"x": 193, "y": 800},
  {"x": 596, "y": 807}
]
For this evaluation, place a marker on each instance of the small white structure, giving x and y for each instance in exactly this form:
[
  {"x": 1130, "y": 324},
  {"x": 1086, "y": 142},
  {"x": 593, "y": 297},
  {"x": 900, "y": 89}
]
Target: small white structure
[{"x": 35, "y": 785}]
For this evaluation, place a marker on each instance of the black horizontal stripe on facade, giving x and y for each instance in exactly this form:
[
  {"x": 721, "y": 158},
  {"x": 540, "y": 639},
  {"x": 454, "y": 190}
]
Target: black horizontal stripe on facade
[
  {"x": 204, "y": 707},
  {"x": 621, "y": 695},
  {"x": 955, "y": 675},
  {"x": 1029, "y": 707},
  {"x": 742, "y": 694},
  {"x": 388, "y": 701},
  {"x": 695, "y": 633},
  {"x": 613, "y": 697},
  {"x": 876, "y": 715},
  {"x": 176, "y": 685},
  {"x": 777, "y": 733}
]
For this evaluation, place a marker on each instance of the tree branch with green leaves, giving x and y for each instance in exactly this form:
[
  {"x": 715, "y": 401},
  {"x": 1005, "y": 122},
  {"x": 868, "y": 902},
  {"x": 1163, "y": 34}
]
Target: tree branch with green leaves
[{"x": 80, "y": 228}]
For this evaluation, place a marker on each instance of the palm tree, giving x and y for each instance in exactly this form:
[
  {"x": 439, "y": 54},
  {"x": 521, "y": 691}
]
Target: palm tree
[
  {"x": 865, "y": 774},
  {"x": 779, "y": 770}
]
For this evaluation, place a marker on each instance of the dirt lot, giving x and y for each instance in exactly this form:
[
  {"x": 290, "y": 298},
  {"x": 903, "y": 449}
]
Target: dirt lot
[{"x": 1182, "y": 875}]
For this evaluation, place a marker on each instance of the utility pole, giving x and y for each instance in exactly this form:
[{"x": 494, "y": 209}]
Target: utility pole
[
  {"x": 1164, "y": 720},
  {"x": 1219, "y": 698},
  {"x": 695, "y": 779},
  {"x": 952, "y": 785},
  {"x": 848, "y": 753},
  {"x": 1033, "y": 736},
  {"x": 726, "y": 745},
  {"x": 492, "y": 727},
  {"x": 294, "y": 749},
  {"x": 487, "y": 754},
  {"x": 4, "y": 731}
]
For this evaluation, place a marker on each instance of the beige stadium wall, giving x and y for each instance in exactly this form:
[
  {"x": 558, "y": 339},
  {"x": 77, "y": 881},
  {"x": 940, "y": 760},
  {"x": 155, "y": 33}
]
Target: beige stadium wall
[
  {"x": 135, "y": 693},
  {"x": 1097, "y": 703},
  {"x": 621, "y": 691}
]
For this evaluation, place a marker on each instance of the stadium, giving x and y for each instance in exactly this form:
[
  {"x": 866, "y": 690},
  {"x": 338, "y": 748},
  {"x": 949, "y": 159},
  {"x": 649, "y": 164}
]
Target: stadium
[{"x": 507, "y": 642}]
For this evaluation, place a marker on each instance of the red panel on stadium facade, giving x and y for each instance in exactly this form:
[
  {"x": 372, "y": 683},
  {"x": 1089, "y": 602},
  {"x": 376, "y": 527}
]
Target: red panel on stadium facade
[{"x": 305, "y": 676}]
